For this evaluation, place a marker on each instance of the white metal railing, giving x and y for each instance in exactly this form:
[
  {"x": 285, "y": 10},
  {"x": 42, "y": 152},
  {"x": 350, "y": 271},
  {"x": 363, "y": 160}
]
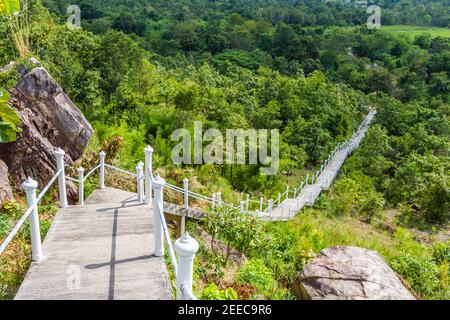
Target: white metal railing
[
  {"x": 186, "y": 247},
  {"x": 30, "y": 187}
]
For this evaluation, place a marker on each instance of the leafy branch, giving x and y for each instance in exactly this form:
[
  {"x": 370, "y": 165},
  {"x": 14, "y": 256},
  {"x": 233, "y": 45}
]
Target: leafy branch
[{"x": 9, "y": 119}]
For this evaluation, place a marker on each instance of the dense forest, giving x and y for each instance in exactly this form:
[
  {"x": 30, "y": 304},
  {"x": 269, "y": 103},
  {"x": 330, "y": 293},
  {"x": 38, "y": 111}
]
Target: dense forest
[{"x": 141, "y": 69}]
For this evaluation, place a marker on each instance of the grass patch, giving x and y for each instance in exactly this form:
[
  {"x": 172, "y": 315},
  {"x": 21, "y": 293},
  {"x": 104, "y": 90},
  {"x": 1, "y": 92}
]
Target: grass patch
[
  {"x": 414, "y": 31},
  {"x": 270, "y": 269}
]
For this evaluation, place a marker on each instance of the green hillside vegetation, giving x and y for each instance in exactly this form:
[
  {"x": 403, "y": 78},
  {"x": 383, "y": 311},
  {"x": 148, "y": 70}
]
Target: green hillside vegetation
[
  {"x": 265, "y": 64},
  {"x": 413, "y": 31}
]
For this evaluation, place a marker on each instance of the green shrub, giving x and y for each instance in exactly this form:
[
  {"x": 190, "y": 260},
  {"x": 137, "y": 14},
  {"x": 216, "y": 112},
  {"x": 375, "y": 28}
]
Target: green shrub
[
  {"x": 420, "y": 273},
  {"x": 254, "y": 272},
  {"x": 441, "y": 253},
  {"x": 239, "y": 231},
  {"x": 212, "y": 292}
]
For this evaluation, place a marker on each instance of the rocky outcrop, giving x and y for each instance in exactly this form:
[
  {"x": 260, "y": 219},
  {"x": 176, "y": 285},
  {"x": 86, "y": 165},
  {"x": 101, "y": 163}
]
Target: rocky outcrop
[
  {"x": 5, "y": 187},
  {"x": 49, "y": 120},
  {"x": 349, "y": 273}
]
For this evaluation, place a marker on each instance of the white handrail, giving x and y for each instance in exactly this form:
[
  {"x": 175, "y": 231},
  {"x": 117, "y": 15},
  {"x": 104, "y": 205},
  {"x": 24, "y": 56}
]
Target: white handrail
[
  {"x": 72, "y": 179},
  {"x": 199, "y": 195},
  {"x": 171, "y": 187},
  {"x": 173, "y": 258},
  {"x": 27, "y": 213},
  {"x": 201, "y": 199},
  {"x": 184, "y": 288},
  {"x": 120, "y": 170},
  {"x": 91, "y": 172},
  {"x": 172, "y": 255}
]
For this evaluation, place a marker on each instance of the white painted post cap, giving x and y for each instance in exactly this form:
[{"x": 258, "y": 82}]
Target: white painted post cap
[
  {"x": 186, "y": 246},
  {"x": 148, "y": 150},
  {"x": 158, "y": 182},
  {"x": 102, "y": 153},
  {"x": 29, "y": 184},
  {"x": 80, "y": 170},
  {"x": 60, "y": 152}
]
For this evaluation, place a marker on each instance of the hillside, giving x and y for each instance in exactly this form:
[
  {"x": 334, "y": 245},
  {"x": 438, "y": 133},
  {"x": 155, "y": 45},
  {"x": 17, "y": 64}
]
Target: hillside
[{"x": 307, "y": 69}]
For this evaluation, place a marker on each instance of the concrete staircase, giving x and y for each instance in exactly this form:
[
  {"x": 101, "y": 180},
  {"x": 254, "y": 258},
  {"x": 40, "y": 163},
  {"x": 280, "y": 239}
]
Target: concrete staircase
[
  {"x": 308, "y": 195},
  {"x": 102, "y": 250}
]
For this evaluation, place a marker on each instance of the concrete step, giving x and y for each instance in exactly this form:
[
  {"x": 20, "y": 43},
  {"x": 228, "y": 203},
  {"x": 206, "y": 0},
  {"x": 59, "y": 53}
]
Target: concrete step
[{"x": 100, "y": 251}]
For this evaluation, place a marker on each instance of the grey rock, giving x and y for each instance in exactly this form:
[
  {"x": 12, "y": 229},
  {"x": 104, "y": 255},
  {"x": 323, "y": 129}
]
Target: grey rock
[
  {"x": 34, "y": 61},
  {"x": 49, "y": 120},
  {"x": 9, "y": 66},
  {"x": 349, "y": 273},
  {"x": 5, "y": 187}
]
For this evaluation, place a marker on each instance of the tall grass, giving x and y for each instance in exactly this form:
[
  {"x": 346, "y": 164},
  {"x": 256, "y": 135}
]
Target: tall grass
[{"x": 19, "y": 30}]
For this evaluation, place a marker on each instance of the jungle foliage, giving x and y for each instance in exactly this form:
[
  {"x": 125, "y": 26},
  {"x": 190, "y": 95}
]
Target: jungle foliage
[{"x": 141, "y": 69}]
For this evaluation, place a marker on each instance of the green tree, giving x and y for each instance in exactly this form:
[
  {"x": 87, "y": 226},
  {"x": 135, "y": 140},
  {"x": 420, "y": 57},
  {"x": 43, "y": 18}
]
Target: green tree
[
  {"x": 374, "y": 153},
  {"x": 435, "y": 199},
  {"x": 118, "y": 57},
  {"x": 238, "y": 231}
]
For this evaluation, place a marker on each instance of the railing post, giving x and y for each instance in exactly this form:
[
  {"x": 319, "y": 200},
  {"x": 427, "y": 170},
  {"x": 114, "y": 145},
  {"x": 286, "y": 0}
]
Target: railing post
[
  {"x": 36, "y": 247},
  {"x": 248, "y": 202},
  {"x": 270, "y": 206},
  {"x": 287, "y": 192},
  {"x": 102, "y": 169},
  {"x": 186, "y": 247},
  {"x": 219, "y": 199},
  {"x": 213, "y": 200},
  {"x": 139, "y": 181},
  {"x": 261, "y": 204},
  {"x": 158, "y": 207},
  {"x": 81, "y": 186},
  {"x": 307, "y": 178},
  {"x": 242, "y": 205},
  {"x": 61, "y": 178},
  {"x": 148, "y": 169},
  {"x": 186, "y": 193}
]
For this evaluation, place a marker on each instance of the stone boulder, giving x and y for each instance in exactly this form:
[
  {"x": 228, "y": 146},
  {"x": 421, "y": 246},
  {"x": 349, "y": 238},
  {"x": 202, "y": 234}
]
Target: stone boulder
[
  {"x": 5, "y": 187},
  {"x": 349, "y": 273},
  {"x": 50, "y": 120}
]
